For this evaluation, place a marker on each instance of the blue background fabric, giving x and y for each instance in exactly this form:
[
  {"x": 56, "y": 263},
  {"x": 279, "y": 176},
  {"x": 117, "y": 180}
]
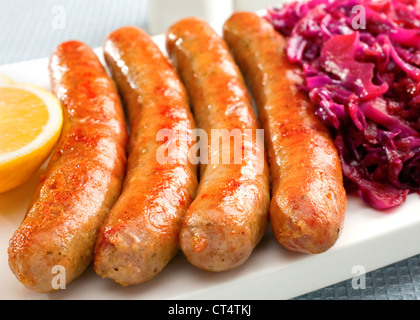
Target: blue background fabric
[{"x": 31, "y": 29}]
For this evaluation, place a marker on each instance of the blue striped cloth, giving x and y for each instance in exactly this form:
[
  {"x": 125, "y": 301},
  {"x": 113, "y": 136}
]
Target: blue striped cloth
[{"x": 31, "y": 29}]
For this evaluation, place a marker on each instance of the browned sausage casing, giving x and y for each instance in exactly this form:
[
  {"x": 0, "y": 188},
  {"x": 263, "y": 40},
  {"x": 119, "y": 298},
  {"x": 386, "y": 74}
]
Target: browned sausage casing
[
  {"x": 308, "y": 198},
  {"x": 141, "y": 233},
  {"x": 83, "y": 178},
  {"x": 229, "y": 216}
]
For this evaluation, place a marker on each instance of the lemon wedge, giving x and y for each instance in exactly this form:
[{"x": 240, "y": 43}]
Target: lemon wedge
[{"x": 31, "y": 120}]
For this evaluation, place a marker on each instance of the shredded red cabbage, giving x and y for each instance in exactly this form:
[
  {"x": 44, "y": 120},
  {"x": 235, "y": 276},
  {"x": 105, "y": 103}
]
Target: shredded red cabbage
[{"x": 361, "y": 63}]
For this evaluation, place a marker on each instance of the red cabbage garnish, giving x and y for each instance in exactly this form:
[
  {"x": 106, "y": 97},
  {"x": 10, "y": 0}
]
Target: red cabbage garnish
[{"x": 364, "y": 79}]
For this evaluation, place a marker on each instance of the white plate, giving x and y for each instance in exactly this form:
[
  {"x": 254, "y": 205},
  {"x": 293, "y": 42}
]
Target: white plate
[{"x": 371, "y": 239}]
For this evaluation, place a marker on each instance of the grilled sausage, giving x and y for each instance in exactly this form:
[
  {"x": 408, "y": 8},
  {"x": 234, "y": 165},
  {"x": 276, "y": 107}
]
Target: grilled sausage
[
  {"x": 141, "y": 233},
  {"x": 229, "y": 216},
  {"x": 308, "y": 198},
  {"x": 83, "y": 178}
]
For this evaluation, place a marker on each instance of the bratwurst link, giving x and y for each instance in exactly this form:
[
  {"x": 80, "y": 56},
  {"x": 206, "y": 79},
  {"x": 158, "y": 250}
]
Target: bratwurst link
[
  {"x": 83, "y": 178},
  {"x": 140, "y": 234},
  {"x": 308, "y": 198},
  {"x": 229, "y": 216}
]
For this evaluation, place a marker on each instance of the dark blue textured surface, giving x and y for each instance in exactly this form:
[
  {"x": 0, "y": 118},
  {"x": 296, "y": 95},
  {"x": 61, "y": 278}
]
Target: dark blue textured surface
[{"x": 398, "y": 281}]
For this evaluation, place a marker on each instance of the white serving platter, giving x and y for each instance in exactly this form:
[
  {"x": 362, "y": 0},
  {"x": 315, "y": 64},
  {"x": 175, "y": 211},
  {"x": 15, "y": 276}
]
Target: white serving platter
[{"x": 371, "y": 239}]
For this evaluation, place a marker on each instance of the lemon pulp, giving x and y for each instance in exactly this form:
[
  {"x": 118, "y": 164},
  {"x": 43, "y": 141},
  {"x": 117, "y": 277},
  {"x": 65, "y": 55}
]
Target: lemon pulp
[
  {"x": 22, "y": 118},
  {"x": 30, "y": 124}
]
